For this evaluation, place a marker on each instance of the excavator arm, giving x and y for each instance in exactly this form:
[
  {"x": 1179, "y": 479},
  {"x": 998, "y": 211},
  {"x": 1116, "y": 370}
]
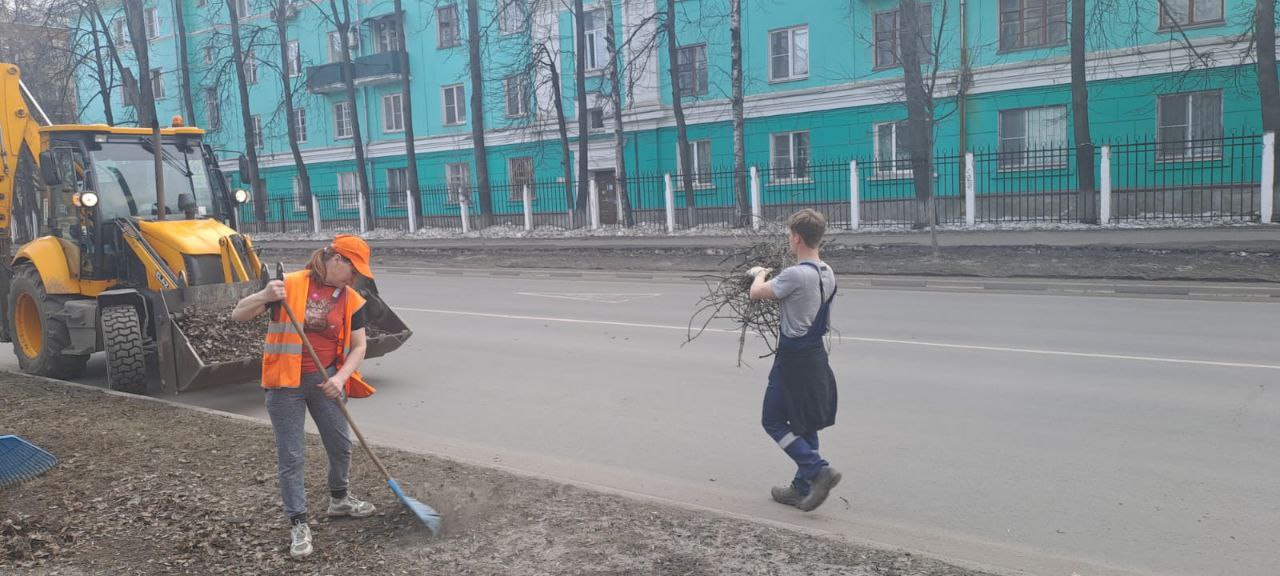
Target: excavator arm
[{"x": 19, "y": 150}]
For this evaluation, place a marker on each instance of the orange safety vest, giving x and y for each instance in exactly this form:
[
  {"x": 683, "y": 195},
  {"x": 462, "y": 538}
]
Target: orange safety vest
[{"x": 282, "y": 354}]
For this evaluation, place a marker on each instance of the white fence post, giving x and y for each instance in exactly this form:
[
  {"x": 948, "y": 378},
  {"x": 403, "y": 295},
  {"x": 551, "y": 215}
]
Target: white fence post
[
  {"x": 593, "y": 203},
  {"x": 463, "y": 206},
  {"x": 527, "y": 198},
  {"x": 315, "y": 215},
  {"x": 411, "y": 204},
  {"x": 669, "y": 199},
  {"x": 1104, "y": 203},
  {"x": 756, "y": 209},
  {"x": 970, "y": 193},
  {"x": 364, "y": 213},
  {"x": 855, "y": 216},
  {"x": 1268, "y": 177}
]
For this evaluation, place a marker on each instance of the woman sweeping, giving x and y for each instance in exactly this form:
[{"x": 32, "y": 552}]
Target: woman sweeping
[{"x": 334, "y": 322}]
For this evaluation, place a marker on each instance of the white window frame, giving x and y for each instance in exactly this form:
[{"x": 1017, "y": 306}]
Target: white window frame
[
  {"x": 250, "y": 67},
  {"x": 519, "y": 83},
  {"x": 151, "y": 19},
  {"x": 461, "y": 171},
  {"x": 1051, "y": 9},
  {"x": 791, "y": 157},
  {"x": 597, "y": 55},
  {"x": 889, "y": 166},
  {"x": 157, "y": 83},
  {"x": 793, "y": 56},
  {"x": 509, "y": 24},
  {"x": 1191, "y": 152},
  {"x": 342, "y": 117},
  {"x": 516, "y": 192},
  {"x": 242, "y": 9},
  {"x": 455, "y": 96},
  {"x": 348, "y": 190},
  {"x": 396, "y": 198},
  {"x": 386, "y": 35},
  {"x": 208, "y": 54},
  {"x": 697, "y": 146},
  {"x": 295, "y": 59},
  {"x": 1167, "y": 21},
  {"x": 393, "y": 113},
  {"x": 1031, "y": 158},
  {"x": 259, "y": 141},
  {"x": 926, "y": 56},
  {"x": 121, "y": 30},
  {"x": 299, "y": 120},
  {"x": 456, "y": 39}
]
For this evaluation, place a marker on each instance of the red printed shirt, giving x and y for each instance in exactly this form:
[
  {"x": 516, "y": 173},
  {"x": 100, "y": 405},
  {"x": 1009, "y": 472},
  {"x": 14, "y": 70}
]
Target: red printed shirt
[{"x": 324, "y": 324}]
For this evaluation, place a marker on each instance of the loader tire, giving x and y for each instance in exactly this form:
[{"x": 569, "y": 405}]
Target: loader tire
[
  {"x": 126, "y": 351},
  {"x": 37, "y": 324}
]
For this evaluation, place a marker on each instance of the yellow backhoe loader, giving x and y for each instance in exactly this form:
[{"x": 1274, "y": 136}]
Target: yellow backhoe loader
[{"x": 89, "y": 263}]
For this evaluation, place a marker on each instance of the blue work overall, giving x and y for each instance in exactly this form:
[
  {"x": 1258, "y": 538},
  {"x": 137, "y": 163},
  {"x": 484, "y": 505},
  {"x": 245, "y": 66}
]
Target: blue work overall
[{"x": 803, "y": 448}]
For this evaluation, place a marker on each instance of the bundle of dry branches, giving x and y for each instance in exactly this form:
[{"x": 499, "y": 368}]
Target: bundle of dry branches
[{"x": 729, "y": 295}]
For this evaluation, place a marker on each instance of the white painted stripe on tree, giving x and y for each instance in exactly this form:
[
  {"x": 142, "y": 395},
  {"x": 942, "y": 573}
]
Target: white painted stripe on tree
[
  {"x": 922, "y": 343},
  {"x": 755, "y": 199},
  {"x": 1268, "y": 177},
  {"x": 669, "y": 198},
  {"x": 1104, "y": 206},
  {"x": 854, "y": 215},
  {"x": 970, "y": 194}
]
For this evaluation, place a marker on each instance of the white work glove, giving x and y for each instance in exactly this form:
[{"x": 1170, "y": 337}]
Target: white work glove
[{"x": 756, "y": 271}]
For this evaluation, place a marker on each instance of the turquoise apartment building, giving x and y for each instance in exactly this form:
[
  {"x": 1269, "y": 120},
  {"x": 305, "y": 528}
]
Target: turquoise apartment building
[{"x": 822, "y": 87}]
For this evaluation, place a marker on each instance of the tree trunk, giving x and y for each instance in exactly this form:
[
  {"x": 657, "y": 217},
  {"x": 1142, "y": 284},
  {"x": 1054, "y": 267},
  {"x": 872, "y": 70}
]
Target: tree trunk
[
  {"x": 104, "y": 85},
  {"x": 619, "y": 136},
  {"x": 115, "y": 55},
  {"x": 1080, "y": 114},
  {"x": 246, "y": 119},
  {"x": 406, "y": 83},
  {"x": 146, "y": 106},
  {"x": 1268, "y": 85},
  {"x": 919, "y": 109},
  {"x": 562, "y": 126},
  {"x": 184, "y": 64},
  {"x": 682, "y": 133},
  {"x": 580, "y": 86},
  {"x": 476, "y": 65},
  {"x": 739, "y": 115},
  {"x": 282, "y": 38},
  {"x": 343, "y": 20}
]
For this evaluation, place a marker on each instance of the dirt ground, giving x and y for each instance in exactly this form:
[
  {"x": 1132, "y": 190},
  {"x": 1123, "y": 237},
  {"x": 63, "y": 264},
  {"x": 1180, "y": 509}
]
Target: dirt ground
[
  {"x": 148, "y": 488},
  {"x": 1056, "y": 262}
]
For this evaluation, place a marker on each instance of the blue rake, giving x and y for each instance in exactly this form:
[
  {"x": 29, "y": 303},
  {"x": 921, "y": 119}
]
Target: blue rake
[{"x": 21, "y": 461}]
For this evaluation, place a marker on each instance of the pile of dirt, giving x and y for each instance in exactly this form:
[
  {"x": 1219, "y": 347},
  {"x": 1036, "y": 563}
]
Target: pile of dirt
[
  {"x": 148, "y": 488},
  {"x": 218, "y": 338}
]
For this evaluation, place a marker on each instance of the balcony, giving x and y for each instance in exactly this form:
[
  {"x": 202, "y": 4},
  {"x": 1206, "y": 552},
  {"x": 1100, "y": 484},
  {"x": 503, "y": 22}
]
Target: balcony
[{"x": 374, "y": 69}]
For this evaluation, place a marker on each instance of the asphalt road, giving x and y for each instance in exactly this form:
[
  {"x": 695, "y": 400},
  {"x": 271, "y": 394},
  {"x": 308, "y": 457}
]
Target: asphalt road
[{"x": 1045, "y": 433}]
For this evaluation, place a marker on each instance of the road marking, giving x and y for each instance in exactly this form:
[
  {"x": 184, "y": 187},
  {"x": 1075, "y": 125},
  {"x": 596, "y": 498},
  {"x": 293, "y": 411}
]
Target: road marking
[
  {"x": 604, "y": 298},
  {"x": 1157, "y": 359}
]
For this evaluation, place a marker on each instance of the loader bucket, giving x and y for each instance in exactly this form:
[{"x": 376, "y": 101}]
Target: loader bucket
[
  {"x": 387, "y": 331},
  {"x": 181, "y": 368}
]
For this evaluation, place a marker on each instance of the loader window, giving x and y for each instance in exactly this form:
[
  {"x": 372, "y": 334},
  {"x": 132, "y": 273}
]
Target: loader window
[{"x": 125, "y": 175}]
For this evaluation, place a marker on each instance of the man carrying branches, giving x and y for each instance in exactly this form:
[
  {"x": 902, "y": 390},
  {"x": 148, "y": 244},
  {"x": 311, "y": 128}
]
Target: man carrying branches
[{"x": 801, "y": 397}]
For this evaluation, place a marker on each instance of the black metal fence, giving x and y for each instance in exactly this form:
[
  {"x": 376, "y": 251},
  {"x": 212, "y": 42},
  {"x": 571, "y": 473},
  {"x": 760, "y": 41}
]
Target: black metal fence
[{"x": 1217, "y": 179}]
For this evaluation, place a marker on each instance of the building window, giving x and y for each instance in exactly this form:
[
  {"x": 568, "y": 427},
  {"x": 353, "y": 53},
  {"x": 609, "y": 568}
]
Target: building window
[
  {"x": 886, "y": 24},
  {"x": 295, "y": 59},
  {"x": 121, "y": 32},
  {"x": 516, "y": 88},
  {"x": 342, "y": 120},
  {"x": 691, "y": 68},
  {"x": 299, "y": 202},
  {"x": 386, "y": 34},
  {"x": 789, "y": 54},
  {"x": 212, "y": 109},
  {"x": 157, "y": 83},
  {"x": 250, "y": 67},
  {"x": 202, "y": 3},
  {"x": 299, "y": 120},
  {"x": 455, "y": 105},
  {"x": 789, "y": 156},
  {"x": 447, "y": 24},
  {"x": 242, "y": 8},
  {"x": 893, "y": 155},
  {"x": 594, "y": 22},
  {"x": 513, "y": 16},
  {"x": 595, "y": 118},
  {"x": 459, "y": 178},
  {"x": 520, "y": 176},
  {"x": 257, "y": 131},
  {"x": 152, "y": 22},
  {"x": 126, "y": 96},
  {"x": 1032, "y": 23},
  {"x": 700, "y": 163},
  {"x": 1190, "y": 126},
  {"x": 393, "y": 113},
  {"x": 1175, "y": 13},
  {"x": 335, "y": 47},
  {"x": 348, "y": 190},
  {"x": 208, "y": 54},
  {"x": 397, "y": 187},
  {"x": 1033, "y": 137}
]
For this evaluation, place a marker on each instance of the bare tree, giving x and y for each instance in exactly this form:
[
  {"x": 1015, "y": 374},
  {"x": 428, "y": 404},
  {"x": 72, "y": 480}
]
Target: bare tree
[
  {"x": 281, "y": 14},
  {"x": 580, "y": 85},
  {"x": 406, "y": 100},
  {"x": 476, "y": 66},
  {"x": 677, "y": 106},
  {"x": 1268, "y": 84},
  {"x": 135, "y": 20},
  {"x": 241, "y": 61},
  {"x": 1080, "y": 112},
  {"x": 619, "y": 135},
  {"x": 921, "y": 117},
  {"x": 340, "y": 16},
  {"x": 101, "y": 71},
  {"x": 737, "y": 102},
  {"x": 184, "y": 64},
  {"x": 545, "y": 58}
]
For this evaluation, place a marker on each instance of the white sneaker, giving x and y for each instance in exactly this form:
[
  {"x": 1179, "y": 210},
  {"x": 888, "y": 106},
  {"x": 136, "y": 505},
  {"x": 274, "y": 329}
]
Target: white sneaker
[
  {"x": 301, "y": 546},
  {"x": 349, "y": 506}
]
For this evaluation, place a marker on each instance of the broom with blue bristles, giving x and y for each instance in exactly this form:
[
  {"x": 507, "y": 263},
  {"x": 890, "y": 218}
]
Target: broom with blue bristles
[{"x": 21, "y": 461}]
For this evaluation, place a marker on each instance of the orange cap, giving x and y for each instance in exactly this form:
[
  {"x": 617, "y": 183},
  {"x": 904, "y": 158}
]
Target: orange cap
[{"x": 355, "y": 249}]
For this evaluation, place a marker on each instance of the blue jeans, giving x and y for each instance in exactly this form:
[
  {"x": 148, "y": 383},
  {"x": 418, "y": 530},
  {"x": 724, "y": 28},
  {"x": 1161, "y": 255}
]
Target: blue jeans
[
  {"x": 288, "y": 409},
  {"x": 802, "y": 449}
]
